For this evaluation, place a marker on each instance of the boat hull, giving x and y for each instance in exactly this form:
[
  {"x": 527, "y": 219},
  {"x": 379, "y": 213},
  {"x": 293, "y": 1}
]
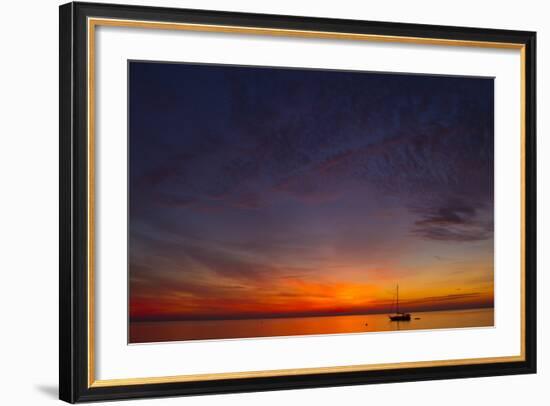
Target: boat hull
[{"x": 400, "y": 317}]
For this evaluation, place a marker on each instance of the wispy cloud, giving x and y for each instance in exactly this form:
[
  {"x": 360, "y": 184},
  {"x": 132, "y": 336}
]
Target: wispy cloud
[{"x": 453, "y": 221}]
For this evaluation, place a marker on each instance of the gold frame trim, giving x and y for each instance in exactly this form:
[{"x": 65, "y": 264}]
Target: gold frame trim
[{"x": 92, "y": 23}]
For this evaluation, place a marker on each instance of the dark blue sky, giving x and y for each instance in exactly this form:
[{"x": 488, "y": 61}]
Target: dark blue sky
[{"x": 257, "y": 190}]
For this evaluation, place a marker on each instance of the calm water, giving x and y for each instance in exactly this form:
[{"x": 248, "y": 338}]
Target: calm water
[{"x": 218, "y": 329}]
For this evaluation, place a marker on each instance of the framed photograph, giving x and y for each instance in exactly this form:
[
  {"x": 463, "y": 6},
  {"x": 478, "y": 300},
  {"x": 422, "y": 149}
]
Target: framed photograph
[{"x": 257, "y": 202}]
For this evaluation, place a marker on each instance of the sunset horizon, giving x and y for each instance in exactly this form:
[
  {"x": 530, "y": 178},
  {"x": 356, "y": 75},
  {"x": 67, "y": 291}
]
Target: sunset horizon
[{"x": 356, "y": 312}]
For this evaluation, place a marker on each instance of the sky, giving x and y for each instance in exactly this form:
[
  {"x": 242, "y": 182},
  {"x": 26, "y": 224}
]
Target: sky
[{"x": 276, "y": 192}]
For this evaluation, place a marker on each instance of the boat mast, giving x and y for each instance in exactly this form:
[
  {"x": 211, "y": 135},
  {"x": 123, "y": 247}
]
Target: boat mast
[{"x": 397, "y": 299}]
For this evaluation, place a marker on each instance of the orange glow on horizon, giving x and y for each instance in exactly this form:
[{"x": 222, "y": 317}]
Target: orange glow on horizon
[{"x": 301, "y": 297}]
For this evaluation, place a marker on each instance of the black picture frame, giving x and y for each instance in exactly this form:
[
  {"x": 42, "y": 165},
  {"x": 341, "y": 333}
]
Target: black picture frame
[{"x": 74, "y": 385}]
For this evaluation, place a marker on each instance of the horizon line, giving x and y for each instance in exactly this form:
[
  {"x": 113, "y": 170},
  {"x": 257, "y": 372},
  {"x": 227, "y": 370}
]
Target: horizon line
[{"x": 291, "y": 315}]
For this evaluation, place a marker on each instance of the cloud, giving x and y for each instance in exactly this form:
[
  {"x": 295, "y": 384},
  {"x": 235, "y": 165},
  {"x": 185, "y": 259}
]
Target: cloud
[
  {"x": 299, "y": 132},
  {"x": 453, "y": 221},
  {"x": 472, "y": 297}
]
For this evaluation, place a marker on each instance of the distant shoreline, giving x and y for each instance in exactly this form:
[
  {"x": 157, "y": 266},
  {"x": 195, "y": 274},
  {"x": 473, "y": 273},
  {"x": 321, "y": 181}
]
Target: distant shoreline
[{"x": 295, "y": 315}]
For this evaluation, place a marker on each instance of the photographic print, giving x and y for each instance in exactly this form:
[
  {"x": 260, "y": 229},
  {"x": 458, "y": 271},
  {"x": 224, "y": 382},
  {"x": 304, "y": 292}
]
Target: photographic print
[
  {"x": 272, "y": 201},
  {"x": 268, "y": 197}
]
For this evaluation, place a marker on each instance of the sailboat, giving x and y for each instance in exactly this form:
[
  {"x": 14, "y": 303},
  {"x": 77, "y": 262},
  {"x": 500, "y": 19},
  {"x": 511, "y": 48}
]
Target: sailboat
[{"x": 399, "y": 316}]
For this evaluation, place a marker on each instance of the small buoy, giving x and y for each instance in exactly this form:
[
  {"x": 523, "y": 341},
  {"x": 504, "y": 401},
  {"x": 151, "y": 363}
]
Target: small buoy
[
  {"x": 417, "y": 318},
  {"x": 366, "y": 324}
]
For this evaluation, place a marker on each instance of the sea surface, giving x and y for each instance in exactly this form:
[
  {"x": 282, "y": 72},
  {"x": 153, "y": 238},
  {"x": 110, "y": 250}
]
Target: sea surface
[{"x": 145, "y": 332}]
